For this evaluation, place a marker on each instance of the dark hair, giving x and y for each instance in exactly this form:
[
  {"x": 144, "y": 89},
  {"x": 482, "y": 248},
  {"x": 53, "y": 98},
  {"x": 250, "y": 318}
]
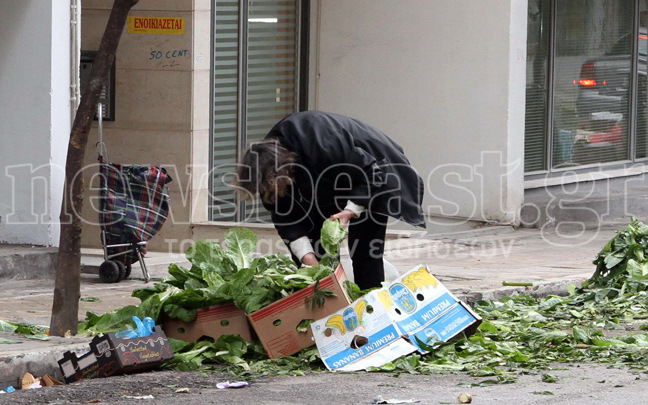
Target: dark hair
[{"x": 266, "y": 169}]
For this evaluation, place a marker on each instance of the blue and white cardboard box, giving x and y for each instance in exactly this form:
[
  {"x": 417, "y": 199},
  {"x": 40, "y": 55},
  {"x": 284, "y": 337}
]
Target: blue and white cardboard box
[
  {"x": 424, "y": 310},
  {"x": 412, "y": 313},
  {"x": 359, "y": 336}
]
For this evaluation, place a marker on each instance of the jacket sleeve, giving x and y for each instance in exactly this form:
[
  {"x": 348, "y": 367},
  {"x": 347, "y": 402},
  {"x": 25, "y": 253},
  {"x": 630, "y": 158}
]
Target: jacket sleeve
[{"x": 290, "y": 217}]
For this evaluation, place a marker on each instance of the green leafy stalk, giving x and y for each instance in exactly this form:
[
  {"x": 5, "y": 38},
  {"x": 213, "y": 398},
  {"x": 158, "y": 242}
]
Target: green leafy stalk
[
  {"x": 241, "y": 243},
  {"x": 318, "y": 299}
]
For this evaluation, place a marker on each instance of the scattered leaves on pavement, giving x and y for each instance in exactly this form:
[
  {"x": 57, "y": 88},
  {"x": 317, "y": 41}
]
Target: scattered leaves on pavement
[{"x": 542, "y": 393}]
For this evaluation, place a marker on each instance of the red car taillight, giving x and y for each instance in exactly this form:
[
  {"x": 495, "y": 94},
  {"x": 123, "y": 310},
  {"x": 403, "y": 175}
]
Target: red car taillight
[{"x": 587, "y": 75}]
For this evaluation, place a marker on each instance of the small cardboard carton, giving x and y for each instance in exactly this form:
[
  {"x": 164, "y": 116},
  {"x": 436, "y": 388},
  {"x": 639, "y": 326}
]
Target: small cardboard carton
[
  {"x": 412, "y": 313},
  {"x": 424, "y": 310},
  {"x": 211, "y": 322},
  {"x": 29, "y": 381},
  {"x": 276, "y": 324},
  {"x": 359, "y": 336},
  {"x": 122, "y": 355},
  {"x": 50, "y": 381},
  {"x": 75, "y": 368}
]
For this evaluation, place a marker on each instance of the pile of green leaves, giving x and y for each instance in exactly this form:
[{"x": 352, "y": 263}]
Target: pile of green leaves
[
  {"x": 623, "y": 260},
  {"x": 217, "y": 276},
  {"x": 230, "y": 275},
  {"x": 523, "y": 333},
  {"x": 603, "y": 321},
  {"x": 242, "y": 359}
]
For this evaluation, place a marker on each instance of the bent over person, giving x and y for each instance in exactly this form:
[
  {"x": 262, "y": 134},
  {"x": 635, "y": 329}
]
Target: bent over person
[{"x": 315, "y": 165}]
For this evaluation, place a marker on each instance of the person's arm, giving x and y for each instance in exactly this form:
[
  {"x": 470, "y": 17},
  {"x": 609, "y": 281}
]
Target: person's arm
[
  {"x": 293, "y": 224},
  {"x": 310, "y": 259},
  {"x": 303, "y": 250},
  {"x": 352, "y": 210}
]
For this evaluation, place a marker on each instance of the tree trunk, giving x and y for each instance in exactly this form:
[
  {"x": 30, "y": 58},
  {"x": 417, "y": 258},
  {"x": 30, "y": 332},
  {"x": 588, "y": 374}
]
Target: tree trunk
[{"x": 67, "y": 289}]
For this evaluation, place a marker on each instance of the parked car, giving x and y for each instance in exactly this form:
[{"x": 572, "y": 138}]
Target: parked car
[
  {"x": 604, "y": 81},
  {"x": 603, "y": 102}
]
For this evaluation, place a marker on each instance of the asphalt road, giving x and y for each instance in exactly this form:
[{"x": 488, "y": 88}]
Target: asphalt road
[{"x": 577, "y": 384}]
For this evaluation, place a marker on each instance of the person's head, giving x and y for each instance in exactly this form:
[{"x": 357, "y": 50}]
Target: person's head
[{"x": 266, "y": 168}]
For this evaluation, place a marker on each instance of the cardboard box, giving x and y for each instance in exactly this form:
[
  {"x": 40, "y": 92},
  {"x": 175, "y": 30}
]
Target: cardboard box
[
  {"x": 276, "y": 324},
  {"x": 50, "y": 381},
  {"x": 359, "y": 336},
  {"x": 118, "y": 356},
  {"x": 29, "y": 381},
  {"x": 75, "y": 368},
  {"x": 211, "y": 322},
  {"x": 412, "y": 313},
  {"x": 424, "y": 310}
]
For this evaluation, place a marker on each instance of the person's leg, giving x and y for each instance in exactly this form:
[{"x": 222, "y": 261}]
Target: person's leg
[{"x": 366, "y": 247}]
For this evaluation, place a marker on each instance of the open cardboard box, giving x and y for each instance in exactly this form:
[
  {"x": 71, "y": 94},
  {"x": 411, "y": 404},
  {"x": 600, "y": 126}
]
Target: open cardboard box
[
  {"x": 122, "y": 355},
  {"x": 412, "y": 313},
  {"x": 276, "y": 324},
  {"x": 75, "y": 368},
  {"x": 359, "y": 336},
  {"x": 424, "y": 310},
  {"x": 212, "y": 322}
]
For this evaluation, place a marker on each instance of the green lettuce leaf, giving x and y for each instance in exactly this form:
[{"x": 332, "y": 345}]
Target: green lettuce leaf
[
  {"x": 241, "y": 243},
  {"x": 332, "y": 235}
]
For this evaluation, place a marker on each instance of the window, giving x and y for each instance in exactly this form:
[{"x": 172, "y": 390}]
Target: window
[
  {"x": 257, "y": 48},
  {"x": 586, "y": 84},
  {"x": 592, "y": 78}
]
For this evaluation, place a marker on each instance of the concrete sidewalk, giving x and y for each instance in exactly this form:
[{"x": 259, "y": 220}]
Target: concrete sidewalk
[{"x": 472, "y": 264}]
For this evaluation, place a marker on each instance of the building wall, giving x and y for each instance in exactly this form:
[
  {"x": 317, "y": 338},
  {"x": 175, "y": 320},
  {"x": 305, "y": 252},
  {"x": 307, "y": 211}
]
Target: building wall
[
  {"x": 34, "y": 118},
  {"x": 445, "y": 80},
  {"x": 161, "y": 110},
  {"x": 425, "y": 74}
]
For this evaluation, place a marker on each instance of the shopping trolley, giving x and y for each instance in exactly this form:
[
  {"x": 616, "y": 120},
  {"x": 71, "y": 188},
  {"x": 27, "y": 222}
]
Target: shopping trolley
[{"x": 133, "y": 205}]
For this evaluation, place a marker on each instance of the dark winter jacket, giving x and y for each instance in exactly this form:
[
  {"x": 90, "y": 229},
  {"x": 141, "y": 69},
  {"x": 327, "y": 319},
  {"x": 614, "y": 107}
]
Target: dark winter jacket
[{"x": 339, "y": 159}]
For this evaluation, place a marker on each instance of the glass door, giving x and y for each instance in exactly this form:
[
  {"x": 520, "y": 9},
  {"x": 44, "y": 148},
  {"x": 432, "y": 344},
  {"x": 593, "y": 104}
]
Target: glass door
[
  {"x": 592, "y": 81},
  {"x": 255, "y": 76},
  {"x": 272, "y": 67}
]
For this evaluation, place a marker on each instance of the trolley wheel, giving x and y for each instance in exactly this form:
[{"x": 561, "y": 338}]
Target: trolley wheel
[
  {"x": 122, "y": 271},
  {"x": 128, "y": 270},
  {"x": 109, "y": 271}
]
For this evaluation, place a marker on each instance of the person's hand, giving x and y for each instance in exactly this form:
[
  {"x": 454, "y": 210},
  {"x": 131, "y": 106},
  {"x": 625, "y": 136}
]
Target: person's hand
[
  {"x": 310, "y": 259},
  {"x": 344, "y": 217}
]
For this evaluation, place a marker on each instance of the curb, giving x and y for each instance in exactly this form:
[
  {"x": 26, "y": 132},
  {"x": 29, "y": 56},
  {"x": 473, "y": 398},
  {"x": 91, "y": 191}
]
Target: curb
[
  {"x": 473, "y": 233},
  {"x": 38, "y": 363},
  {"x": 25, "y": 264},
  {"x": 539, "y": 290}
]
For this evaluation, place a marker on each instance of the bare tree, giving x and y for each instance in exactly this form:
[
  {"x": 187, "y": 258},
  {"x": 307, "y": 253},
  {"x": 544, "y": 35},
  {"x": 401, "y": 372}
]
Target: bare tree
[{"x": 67, "y": 289}]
